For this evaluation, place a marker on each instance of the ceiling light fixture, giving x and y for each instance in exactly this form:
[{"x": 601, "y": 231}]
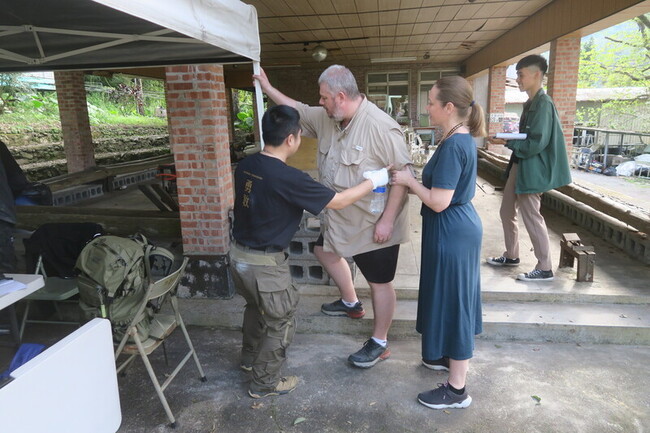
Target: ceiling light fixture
[
  {"x": 319, "y": 53},
  {"x": 392, "y": 59},
  {"x": 426, "y": 56}
]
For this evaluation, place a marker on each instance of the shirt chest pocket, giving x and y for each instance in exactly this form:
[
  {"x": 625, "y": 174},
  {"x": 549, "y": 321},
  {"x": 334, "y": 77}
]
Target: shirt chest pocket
[{"x": 350, "y": 170}]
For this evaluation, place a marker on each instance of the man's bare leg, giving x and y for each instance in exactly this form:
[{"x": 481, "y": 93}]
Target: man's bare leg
[
  {"x": 337, "y": 268},
  {"x": 383, "y": 305}
]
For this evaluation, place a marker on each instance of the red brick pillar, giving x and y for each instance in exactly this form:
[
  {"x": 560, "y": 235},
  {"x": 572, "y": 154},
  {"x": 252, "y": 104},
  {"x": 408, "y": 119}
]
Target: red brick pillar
[
  {"x": 496, "y": 99},
  {"x": 564, "y": 63},
  {"x": 75, "y": 125},
  {"x": 196, "y": 104}
]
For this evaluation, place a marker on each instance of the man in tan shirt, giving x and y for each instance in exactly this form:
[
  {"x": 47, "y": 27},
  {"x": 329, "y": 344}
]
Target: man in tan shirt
[{"x": 354, "y": 136}]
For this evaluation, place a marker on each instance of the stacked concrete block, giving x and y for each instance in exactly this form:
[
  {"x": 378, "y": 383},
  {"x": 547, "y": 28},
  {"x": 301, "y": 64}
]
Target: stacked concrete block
[{"x": 305, "y": 267}]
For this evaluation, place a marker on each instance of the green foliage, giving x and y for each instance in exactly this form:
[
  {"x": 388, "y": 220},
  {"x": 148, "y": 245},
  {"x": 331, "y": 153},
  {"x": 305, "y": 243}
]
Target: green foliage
[
  {"x": 587, "y": 116},
  {"x": 44, "y": 103},
  {"x": 243, "y": 101},
  {"x": 620, "y": 60},
  {"x": 11, "y": 89},
  {"x": 110, "y": 101}
]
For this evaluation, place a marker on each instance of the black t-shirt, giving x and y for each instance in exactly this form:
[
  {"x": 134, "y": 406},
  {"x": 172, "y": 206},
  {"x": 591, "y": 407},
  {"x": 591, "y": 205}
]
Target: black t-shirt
[{"x": 270, "y": 198}]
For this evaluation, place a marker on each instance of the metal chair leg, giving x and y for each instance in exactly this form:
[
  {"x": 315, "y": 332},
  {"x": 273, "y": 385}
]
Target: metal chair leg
[{"x": 154, "y": 380}]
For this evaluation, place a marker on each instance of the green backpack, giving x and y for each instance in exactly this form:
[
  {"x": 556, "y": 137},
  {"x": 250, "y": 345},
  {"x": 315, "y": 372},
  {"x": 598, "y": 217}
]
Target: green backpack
[{"x": 114, "y": 273}]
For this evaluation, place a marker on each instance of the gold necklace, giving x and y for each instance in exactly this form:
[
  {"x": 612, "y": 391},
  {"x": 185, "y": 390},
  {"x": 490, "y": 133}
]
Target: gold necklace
[{"x": 451, "y": 131}]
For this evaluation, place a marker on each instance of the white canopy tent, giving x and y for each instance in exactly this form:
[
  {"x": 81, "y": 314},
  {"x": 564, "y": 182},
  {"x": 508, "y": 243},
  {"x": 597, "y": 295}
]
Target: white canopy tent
[{"x": 104, "y": 34}]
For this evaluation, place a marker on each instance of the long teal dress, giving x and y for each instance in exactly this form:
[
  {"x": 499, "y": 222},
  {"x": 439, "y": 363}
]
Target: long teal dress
[{"x": 449, "y": 301}]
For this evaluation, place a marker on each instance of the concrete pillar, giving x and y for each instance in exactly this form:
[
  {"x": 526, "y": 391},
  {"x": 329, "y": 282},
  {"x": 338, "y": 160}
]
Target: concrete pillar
[
  {"x": 196, "y": 104},
  {"x": 75, "y": 125},
  {"x": 496, "y": 99},
  {"x": 480, "y": 86},
  {"x": 564, "y": 64}
]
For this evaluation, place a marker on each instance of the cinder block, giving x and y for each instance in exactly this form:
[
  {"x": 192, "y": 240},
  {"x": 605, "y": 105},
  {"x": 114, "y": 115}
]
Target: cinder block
[
  {"x": 76, "y": 194},
  {"x": 302, "y": 247},
  {"x": 309, "y": 226},
  {"x": 311, "y": 272},
  {"x": 308, "y": 272},
  {"x": 134, "y": 178}
]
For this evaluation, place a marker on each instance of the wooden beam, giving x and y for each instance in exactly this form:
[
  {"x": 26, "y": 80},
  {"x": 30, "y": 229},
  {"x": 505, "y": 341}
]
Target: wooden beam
[{"x": 120, "y": 222}]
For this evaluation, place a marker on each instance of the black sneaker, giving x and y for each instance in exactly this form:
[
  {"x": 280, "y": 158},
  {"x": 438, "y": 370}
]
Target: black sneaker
[
  {"x": 338, "y": 308},
  {"x": 502, "y": 261},
  {"x": 370, "y": 354},
  {"x": 536, "y": 275},
  {"x": 441, "y": 364},
  {"x": 444, "y": 398}
]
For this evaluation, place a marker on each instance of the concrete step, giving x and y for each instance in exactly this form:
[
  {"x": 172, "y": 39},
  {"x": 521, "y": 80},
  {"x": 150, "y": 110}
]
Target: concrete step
[
  {"x": 516, "y": 291},
  {"x": 502, "y": 320}
]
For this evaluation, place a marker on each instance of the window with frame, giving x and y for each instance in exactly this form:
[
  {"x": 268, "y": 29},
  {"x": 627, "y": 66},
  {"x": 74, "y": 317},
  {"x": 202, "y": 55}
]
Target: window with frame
[
  {"x": 390, "y": 92},
  {"x": 426, "y": 81}
]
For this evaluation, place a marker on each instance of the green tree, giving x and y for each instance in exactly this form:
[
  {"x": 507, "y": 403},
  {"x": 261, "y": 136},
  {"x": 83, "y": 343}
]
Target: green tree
[{"x": 620, "y": 60}]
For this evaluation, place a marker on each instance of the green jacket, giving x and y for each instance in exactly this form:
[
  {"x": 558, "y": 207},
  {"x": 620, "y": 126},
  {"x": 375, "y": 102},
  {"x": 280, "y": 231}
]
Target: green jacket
[{"x": 543, "y": 162}]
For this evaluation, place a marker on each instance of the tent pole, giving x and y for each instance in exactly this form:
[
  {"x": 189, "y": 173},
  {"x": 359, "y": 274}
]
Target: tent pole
[{"x": 258, "y": 101}]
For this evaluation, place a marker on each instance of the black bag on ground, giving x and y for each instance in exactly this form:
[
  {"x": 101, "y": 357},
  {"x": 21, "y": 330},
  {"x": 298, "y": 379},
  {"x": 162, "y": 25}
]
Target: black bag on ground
[{"x": 114, "y": 274}]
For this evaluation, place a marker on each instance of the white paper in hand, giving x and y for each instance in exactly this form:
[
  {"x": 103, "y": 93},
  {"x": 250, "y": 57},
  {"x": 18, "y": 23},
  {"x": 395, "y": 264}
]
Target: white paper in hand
[{"x": 511, "y": 135}]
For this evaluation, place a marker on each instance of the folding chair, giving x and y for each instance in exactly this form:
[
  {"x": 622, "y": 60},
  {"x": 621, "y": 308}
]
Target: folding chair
[
  {"x": 162, "y": 327},
  {"x": 56, "y": 289}
]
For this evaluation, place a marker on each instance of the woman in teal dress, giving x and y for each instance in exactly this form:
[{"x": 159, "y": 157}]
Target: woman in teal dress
[{"x": 449, "y": 302}]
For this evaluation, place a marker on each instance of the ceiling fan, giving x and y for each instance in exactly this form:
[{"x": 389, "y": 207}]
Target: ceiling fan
[{"x": 319, "y": 52}]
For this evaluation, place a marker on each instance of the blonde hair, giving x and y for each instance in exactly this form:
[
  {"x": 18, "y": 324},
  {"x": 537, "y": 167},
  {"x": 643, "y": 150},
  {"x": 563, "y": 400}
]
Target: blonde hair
[{"x": 458, "y": 91}]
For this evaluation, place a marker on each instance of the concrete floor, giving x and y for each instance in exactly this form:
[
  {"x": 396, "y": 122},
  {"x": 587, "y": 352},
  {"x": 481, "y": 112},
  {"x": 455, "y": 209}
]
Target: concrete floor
[
  {"x": 590, "y": 388},
  {"x": 582, "y": 388}
]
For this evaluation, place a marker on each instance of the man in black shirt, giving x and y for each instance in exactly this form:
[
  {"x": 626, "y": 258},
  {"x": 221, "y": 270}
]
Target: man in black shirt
[{"x": 270, "y": 198}]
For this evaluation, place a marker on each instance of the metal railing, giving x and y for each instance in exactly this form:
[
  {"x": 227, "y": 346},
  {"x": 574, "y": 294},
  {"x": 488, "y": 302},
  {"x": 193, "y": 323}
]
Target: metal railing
[{"x": 599, "y": 150}]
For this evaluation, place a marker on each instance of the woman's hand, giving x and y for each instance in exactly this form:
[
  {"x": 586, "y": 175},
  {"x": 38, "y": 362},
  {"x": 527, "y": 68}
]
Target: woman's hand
[{"x": 402, "y": 177}]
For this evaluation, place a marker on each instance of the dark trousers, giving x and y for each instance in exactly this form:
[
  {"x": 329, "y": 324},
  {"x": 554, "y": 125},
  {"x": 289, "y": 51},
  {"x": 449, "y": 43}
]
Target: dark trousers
[{"x": 264, "y": 280}]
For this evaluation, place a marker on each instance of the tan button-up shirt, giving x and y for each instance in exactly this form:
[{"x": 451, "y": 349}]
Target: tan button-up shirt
[{"x": 370, "y": 141}]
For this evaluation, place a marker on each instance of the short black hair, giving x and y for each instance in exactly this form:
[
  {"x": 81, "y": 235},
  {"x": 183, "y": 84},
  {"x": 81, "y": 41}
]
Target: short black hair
[
  {"x": 278, "y": 123},
  {"x": 533, "y": 60}
]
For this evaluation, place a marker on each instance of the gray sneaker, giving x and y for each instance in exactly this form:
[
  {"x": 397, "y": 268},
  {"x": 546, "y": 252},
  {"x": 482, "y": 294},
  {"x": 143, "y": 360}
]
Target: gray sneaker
[
  {"x": 444, "y": 398},
  {"x": 536, "y": 275},
  {"x": 338, "y": 308},
  {"x": 502, "y": 261},
  {"x": 370, "y": 354}
]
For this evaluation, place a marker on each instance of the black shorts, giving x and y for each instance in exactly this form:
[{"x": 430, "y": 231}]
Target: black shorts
[{"x": 377, "y": 266}]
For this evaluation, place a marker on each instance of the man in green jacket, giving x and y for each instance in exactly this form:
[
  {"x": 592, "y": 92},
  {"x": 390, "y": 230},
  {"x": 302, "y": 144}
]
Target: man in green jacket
[{"x": 538, "y": 164}]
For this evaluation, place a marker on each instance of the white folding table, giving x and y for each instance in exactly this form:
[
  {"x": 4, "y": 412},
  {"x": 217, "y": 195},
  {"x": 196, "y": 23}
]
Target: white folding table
[{"x": 32, "y": 283}]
